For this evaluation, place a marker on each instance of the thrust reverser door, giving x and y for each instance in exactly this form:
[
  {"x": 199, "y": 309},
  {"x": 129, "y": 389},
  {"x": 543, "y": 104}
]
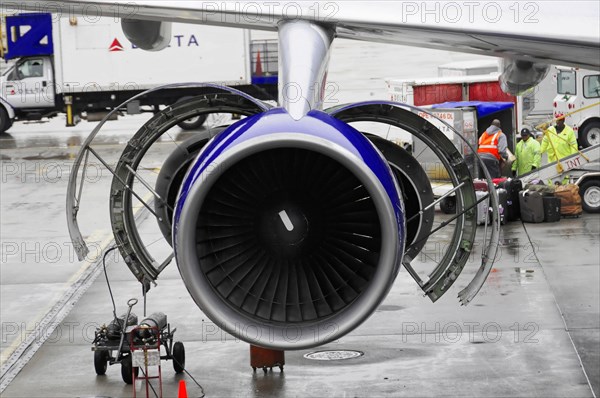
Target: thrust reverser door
[
  {"x": 458, "y": 230},
  {"x": 138, "y": 184}
]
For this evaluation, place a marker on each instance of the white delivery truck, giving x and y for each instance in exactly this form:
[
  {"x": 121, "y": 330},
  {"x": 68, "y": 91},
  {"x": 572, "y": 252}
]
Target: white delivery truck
[
  {"x": 86, "y": 66},
  {"x": 578, "y": 97}
]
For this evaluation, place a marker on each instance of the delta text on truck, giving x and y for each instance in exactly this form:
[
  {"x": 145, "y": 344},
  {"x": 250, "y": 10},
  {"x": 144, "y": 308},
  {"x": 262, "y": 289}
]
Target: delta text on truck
[{"x": 85, "y": 67}]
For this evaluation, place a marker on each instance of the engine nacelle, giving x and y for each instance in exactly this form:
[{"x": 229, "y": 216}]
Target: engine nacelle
[
  {"x": 289, "y": 233},
  {"x": 147, "y": 35},
  {"x": 519, "y": 76}
]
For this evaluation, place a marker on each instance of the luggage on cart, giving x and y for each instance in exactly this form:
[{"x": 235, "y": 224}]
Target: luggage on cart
[
  {"x": 545, "y": 190},
  {"x": 502, "y": 204},
  {"x": 532, "y": 206},
  {"x": 513, "y": 208},
  {"x": 482, "y": 207},
  {"x": 551, "y": 208},
  {"x": 498, "y": 181},
  {"x": 570, "y": 200},
  {"x": 480, "y": 185}
]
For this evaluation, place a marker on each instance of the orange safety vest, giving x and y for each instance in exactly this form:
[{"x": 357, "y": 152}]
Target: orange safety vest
[{"x": 489, "y": 144}]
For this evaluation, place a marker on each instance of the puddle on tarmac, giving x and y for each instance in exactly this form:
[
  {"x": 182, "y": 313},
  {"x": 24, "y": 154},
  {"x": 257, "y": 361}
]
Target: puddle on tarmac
[
  {"x": 524, "y": 271},
  {"x": 509, "y": 242},
  {"x": 7, "y": 141},
  {"x": 383, "y": 308},
  {"x": 524, "y": 275},
  {"x": 51, "y": 156}
]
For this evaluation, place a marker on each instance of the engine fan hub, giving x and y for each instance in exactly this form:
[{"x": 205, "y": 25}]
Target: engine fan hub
[{"x": 283, "y": 227}]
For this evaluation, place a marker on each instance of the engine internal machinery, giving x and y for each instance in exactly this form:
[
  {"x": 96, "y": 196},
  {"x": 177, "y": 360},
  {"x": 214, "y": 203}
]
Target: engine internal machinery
[{"x": 289, "y": 233}]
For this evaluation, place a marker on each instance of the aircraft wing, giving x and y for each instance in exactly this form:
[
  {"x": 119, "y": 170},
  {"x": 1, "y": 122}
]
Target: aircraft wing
[{"x": 544, "y": 31}]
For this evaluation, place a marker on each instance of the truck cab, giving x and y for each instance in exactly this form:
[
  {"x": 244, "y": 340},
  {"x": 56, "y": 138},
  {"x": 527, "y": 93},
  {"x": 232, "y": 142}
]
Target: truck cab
[
  {"x": 578, "y": 97},
  {"x": 29, "y": 84}
]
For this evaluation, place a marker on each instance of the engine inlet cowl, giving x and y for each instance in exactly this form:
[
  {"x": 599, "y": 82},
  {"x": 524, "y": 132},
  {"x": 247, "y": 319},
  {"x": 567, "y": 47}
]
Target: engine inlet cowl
[{"x": 288, "y": 234}]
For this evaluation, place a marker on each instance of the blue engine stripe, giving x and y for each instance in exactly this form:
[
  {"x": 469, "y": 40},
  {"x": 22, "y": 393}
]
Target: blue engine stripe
[{"x": 316, "y": 123}]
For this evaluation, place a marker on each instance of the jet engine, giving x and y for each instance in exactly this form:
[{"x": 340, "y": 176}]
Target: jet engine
[
  {"x": 289, "y": 234},
  {"x": 519, "y": 76},
  {"x": 147, "y": 35}
]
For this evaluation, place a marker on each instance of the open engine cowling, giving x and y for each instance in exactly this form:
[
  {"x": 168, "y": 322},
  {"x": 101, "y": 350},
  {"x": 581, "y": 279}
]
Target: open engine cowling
[{"x": 289, "y": 233}]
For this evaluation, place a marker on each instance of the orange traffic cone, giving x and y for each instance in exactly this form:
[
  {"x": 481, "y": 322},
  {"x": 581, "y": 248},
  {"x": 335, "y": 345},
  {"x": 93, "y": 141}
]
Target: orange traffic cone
[
  {"x": 182, "y": 390},
  {"x": 258, "y": 71}
]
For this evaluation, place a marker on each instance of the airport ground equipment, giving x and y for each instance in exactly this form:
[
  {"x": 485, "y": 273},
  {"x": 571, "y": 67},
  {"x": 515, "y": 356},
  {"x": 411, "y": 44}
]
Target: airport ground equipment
[
  {"x": 117, "y": 342},
  {"x": 582, "y": 169},
  {"x": 144, "y": 345},
  {"x": 266, "y": 358},
  {"x": 84, "y": 68}
]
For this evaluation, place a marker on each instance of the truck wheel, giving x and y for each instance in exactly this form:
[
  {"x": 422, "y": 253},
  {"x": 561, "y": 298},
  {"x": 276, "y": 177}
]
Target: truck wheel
[
  {"x": 590, "y": 196},
  {"x": 193, "y": 123},
  {"x": 178, "y": 357},
  {"x": 590, "y": 134},
  {"x": 4, "y": 121},
  {"x": 100, "y": 362},
  {"x": 448, "y": 205}
]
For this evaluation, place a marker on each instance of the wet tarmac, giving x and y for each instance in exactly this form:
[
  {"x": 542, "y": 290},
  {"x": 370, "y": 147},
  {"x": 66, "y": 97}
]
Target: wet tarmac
[
  {"x": 527, "y": 334},
  {"x": 533, "y": 330}
]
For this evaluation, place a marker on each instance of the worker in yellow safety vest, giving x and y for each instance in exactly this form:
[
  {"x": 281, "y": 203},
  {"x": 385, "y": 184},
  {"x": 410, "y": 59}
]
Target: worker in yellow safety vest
[
  {"x": 528, "y": 155},
  {"x": 492, "y": 148},
  {"x": 559, "y": 141}
]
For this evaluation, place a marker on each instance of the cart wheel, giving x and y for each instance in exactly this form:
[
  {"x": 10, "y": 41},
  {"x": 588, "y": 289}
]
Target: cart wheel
[
  {"x": 178, "y": 357},
  {"x": 100, "y": 362},
  {"x": 126, "y": 372}
]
